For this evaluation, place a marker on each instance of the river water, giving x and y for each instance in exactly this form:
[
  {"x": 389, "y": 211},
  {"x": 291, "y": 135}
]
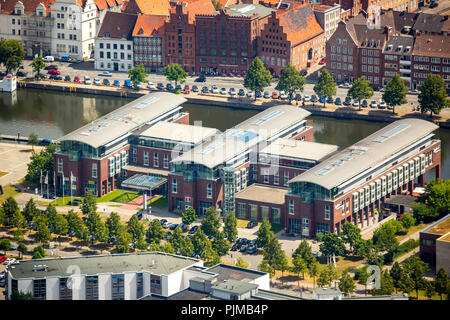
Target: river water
[{"x": 52, "y": 114}]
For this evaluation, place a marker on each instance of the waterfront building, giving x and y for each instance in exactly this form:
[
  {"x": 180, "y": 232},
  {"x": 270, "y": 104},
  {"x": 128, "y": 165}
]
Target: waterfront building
[
  {"x": 291, "y": 36},
  {"x": 133, "y": 276},
  {"x": 210, "y": 174},
  {"x": 92, "y": 157},
  {"x": 103, "y": 6},
  {"x": 435, "y": 244},
  {"x": 352, "y": 185},
  {"x": 114, "y": 43}
]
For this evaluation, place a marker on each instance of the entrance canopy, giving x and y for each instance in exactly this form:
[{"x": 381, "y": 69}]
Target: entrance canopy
[{"x": 144, "y": 182}]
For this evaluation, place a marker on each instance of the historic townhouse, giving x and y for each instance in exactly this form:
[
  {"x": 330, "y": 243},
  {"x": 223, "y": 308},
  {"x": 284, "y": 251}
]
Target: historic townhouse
[
  {"x": 148, "y": 42},
  {"x": 226, "y": 41},
  {"x": 114, "y": 43},
  {"x": 352, "y": 185},
  {"x": 328, "y": 17},
  {"x": 397, "y": 57},
  {"x": 291, "y": 36}
]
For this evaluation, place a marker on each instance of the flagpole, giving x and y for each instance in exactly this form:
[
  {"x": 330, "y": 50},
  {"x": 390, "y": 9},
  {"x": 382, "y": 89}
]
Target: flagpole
[
  {"x": 46, "y": 179},
  {"x": 71, "y": 193},
  {"x": 63, "y": 182},
  {"x": 42, "y": 194},
  {"x": 54, "y": 184}
]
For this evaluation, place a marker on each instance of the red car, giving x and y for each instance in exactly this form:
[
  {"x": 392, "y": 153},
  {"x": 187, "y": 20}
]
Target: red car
[
  {"x": 323, "y": 61},
  {"x": 77, "y": 79},
  {"x": 53, "y": 71},
  {"x": 2, "y": 258}
]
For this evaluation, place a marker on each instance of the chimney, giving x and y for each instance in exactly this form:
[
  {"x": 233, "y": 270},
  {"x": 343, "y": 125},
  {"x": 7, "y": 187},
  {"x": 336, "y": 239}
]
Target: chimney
[{"x": 387, "y": 31}]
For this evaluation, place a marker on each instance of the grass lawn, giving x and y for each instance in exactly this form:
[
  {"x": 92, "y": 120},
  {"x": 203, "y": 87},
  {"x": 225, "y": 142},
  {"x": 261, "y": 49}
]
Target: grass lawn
[
  {"x": 413, "y": 230},
  {"x": 8, "y": 191},
  {"x": 343, "y": 263},
  {"x": 116, "y": 196},
  {"x": 3, "y": 173},
  {"x": 160, "y": 202}
]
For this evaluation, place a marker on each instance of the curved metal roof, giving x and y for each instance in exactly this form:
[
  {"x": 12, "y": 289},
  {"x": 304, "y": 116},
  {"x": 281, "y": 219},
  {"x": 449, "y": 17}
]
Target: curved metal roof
[
  {"x": 366, "y": 153},
  {"x": 125, "y": 119}
]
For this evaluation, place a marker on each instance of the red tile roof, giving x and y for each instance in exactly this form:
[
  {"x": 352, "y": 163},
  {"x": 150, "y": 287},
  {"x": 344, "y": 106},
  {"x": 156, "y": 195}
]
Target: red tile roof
[
  {"x": 7, "y": 6},
  {"x": 299, "y": 23},
  {"x": 117, "y": 25},
  {"x": 147, "y": 24},
  {"x": 154, "y": 7},
  {"x": 194, "y": 7},
  {"x": 432, "y": 46}
]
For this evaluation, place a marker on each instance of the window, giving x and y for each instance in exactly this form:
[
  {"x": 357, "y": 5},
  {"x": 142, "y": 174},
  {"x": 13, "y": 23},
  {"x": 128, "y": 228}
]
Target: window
[
  {"x": 166, "y": 161},
  {"x": 139, "y": 285},
  {"x": 286, "y": 178},
  {"x": 117, "y": 289},
  {"x": 291, "y": 207},
  {"x": 40, "y": 289},
  {"x": 174, "y": 186},
  {"x": 327, "y": 212},
  {"x": 65, "y": 293},
  {"x": 94, "y": 170},
  {"x": 155, "y": 160},
  {"x": 276, "y": 216},
  {"x": 276, "y": 178},
  {"x": 305, "y": 223},
  {"x": 209, "y": 191},
  {"x": 265, "y": 213},
  {"x": 146, "y": 161},
  {"x": 265, "y": 173},
  {"x": 60, "y": 165},
  {"x": 242, "y": 214},
  {"x": 347, "y": 206},
  {"x": 253, "y": 212}
]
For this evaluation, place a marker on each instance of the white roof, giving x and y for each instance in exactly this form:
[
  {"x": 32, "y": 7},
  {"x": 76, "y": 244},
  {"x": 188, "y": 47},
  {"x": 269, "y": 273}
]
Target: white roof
[
  {"x": 299, "y": 149},
  {"x": 178, "y": 132}
]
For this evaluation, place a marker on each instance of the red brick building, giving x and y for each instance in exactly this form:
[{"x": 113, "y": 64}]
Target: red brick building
[
  {"x": 291, "y": 36},
  {"x": 226, "y": 42},
  {"x": 180, "y": 32}
]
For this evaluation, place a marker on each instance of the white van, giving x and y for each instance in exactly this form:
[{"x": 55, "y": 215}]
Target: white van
[{"x": 48, "y": 59}]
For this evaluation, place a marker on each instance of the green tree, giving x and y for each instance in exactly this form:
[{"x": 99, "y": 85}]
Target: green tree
[
  {"x": 241, "y": 263},
  {"x": 186, "y": 248},
  {"x": 395, "y": 92},
  {"x": 217, "y": 4},
  {"x": 210, "y": 224},
  {"x": 97, "y": 228},
  {"x": 51, "y": 214},
  {"x": 188, "y": 216},
  {"x": 20, "y": 295},
  {"x": 327, "y": 275},
  {"x": 88, "y": 205},
  {"x": 38, "y": 252},
  {"x": 428, "y": 285},
  {"x": 154, "y": 247},
  {"x": 123, "y": 238},
  {"x": 441, "y": 282},
  {"x": 220, "y": 244},
  {"x": 208, "y": 254},
  {"x": 264, "y": 234},
  {"x": 360, "y": 90},
  {"x": 18, "y": 220},
  {"x": 386, "y": 285},
  {"x": 40, "y": 161},
  {"x": 82, "y": 231},
  {"x": 9, "y": 208},
  {"x": 305, "y": 251},
  {"x": 30, "y": 210},
  {"x": 264, "y": 266},
  {"x": 281, "y": 263},
  {"x": 22, "y": 249},
  {"x": 346, "y": 284},
  {"x": 18, "y": 235},
  {"x": 299, "y": 266},
  {"x": 38, "y": 64},
  {"x": 396, "y": 272},
  {"x": 290, "y": 80},
  {"x": 437, "y": 196},
  {"x": 200, "y": 242},
  {"x": 230, "y": 226},
  {"x": 384, "y": 237},
  {"x": 33, "y": 140},
  {"x": 407, "y": 220},
  {"x": 272, "y": 252},
  {"x": 61, "y": 226},
  {"x": 325, "y": 85},
  {"x": 11, "y": 54},
  {"x": 405, "y": 283},
  {"x": 257, "y": 76},
  {"x": 416, "y": 269},
  {"x": 155, "y": 232},
  {"x": 175, "y": 72},
  {"x": 313, "y": 270},
  {"x": 350, "y": 234},
  {"x": 43, "y": 234},
  {"x": 137, "y": 75},
  {"x": 113, "y": 224},
  {"x": 362, "y": 276},
  {"x": 135, "y": 228},
  {"x": 433, "y": 95},
  {"x": 176, "y": 239},
  {"x": 5, "y": 245},
  {"x": 167, "y": 248},
  {"x": 332, "y": 245},
  {"x": 424, "y": 213},
  {"x": 72, "y": 221}
]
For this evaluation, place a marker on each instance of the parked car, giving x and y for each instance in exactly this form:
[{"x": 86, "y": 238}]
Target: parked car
[
  {"x": 173, "y": 226},
  {"x": 258, "y": 94},
  {"x": 275, "y": 95},
  {"x": 106, "y": 82},
  {"x": 298, "y": 97},
  {"x": 348, "y": 101},
  {"x": 97, "y": 81},
  {"x": 205, "y": 90},
  {"x": 9, "y": 261},
  {"x": 77, "y": 79},
  {"x": 355, "y": 103},
  {"x": 314, "y": 98},
  {"x": 151, "y": 86},
  {"x": 51, "y": 66},
  {"x": 235, "y": 247},
  {"x": 214, "y": 89},
  {"x": 283, "y": 95},
  {"x": 2, "y": 259},
  {"x": 64, "y": 58},
  {"x": 223, "y": 91},
  {"x": 193, "y": 230},
  {"x": 67, "y": 78},
  {"x": 87, "y": 80},
  {"x": 338, "y": 101},
  {"x": 179, "y": 87},
  {"x": 243, "y": 248},
  {"x": 252, "y": 224},
  {"x": 201, "y": 78},
  {"x": 187, "y": 89},
  {"x": 266, "y": 95},
  {"x": 160, "y": 86},
  {"x": 21, "y": 74},
  {"x": 127, "y": 83},
  {"x": 232, "y": 91},
  {"x": 48, "y": 59},
  {"x": 116, "y": 83},
  {"x": 249, "y": 93},
  {"x": 330, "y": 100},
  {"x": 54, "y": 71},
  {"x": 162, "y": 221},
  {"x": 345, "y": 85},
  {"x": 382, "y": 105},
  {"x": 251, "y": 250},
  {"x": 364, "y": 104},
  {"x": 105, "y": 74},
  {"x": 323, "y": 61},
  {"x": 241, "y": 93},
  {"x": 306, "y": 98},
  {"x": 322, "y": 99},
  {"x": 373, "y": 104},
  {"x": 195, "y": 88},
  {"x": 169, "y": 87}
]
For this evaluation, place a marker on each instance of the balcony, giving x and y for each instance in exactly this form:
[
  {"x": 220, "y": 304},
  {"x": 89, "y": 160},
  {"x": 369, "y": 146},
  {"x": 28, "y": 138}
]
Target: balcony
[
  {"x": 403, "y": 70},
  {"x": 405, "y": 62}
]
